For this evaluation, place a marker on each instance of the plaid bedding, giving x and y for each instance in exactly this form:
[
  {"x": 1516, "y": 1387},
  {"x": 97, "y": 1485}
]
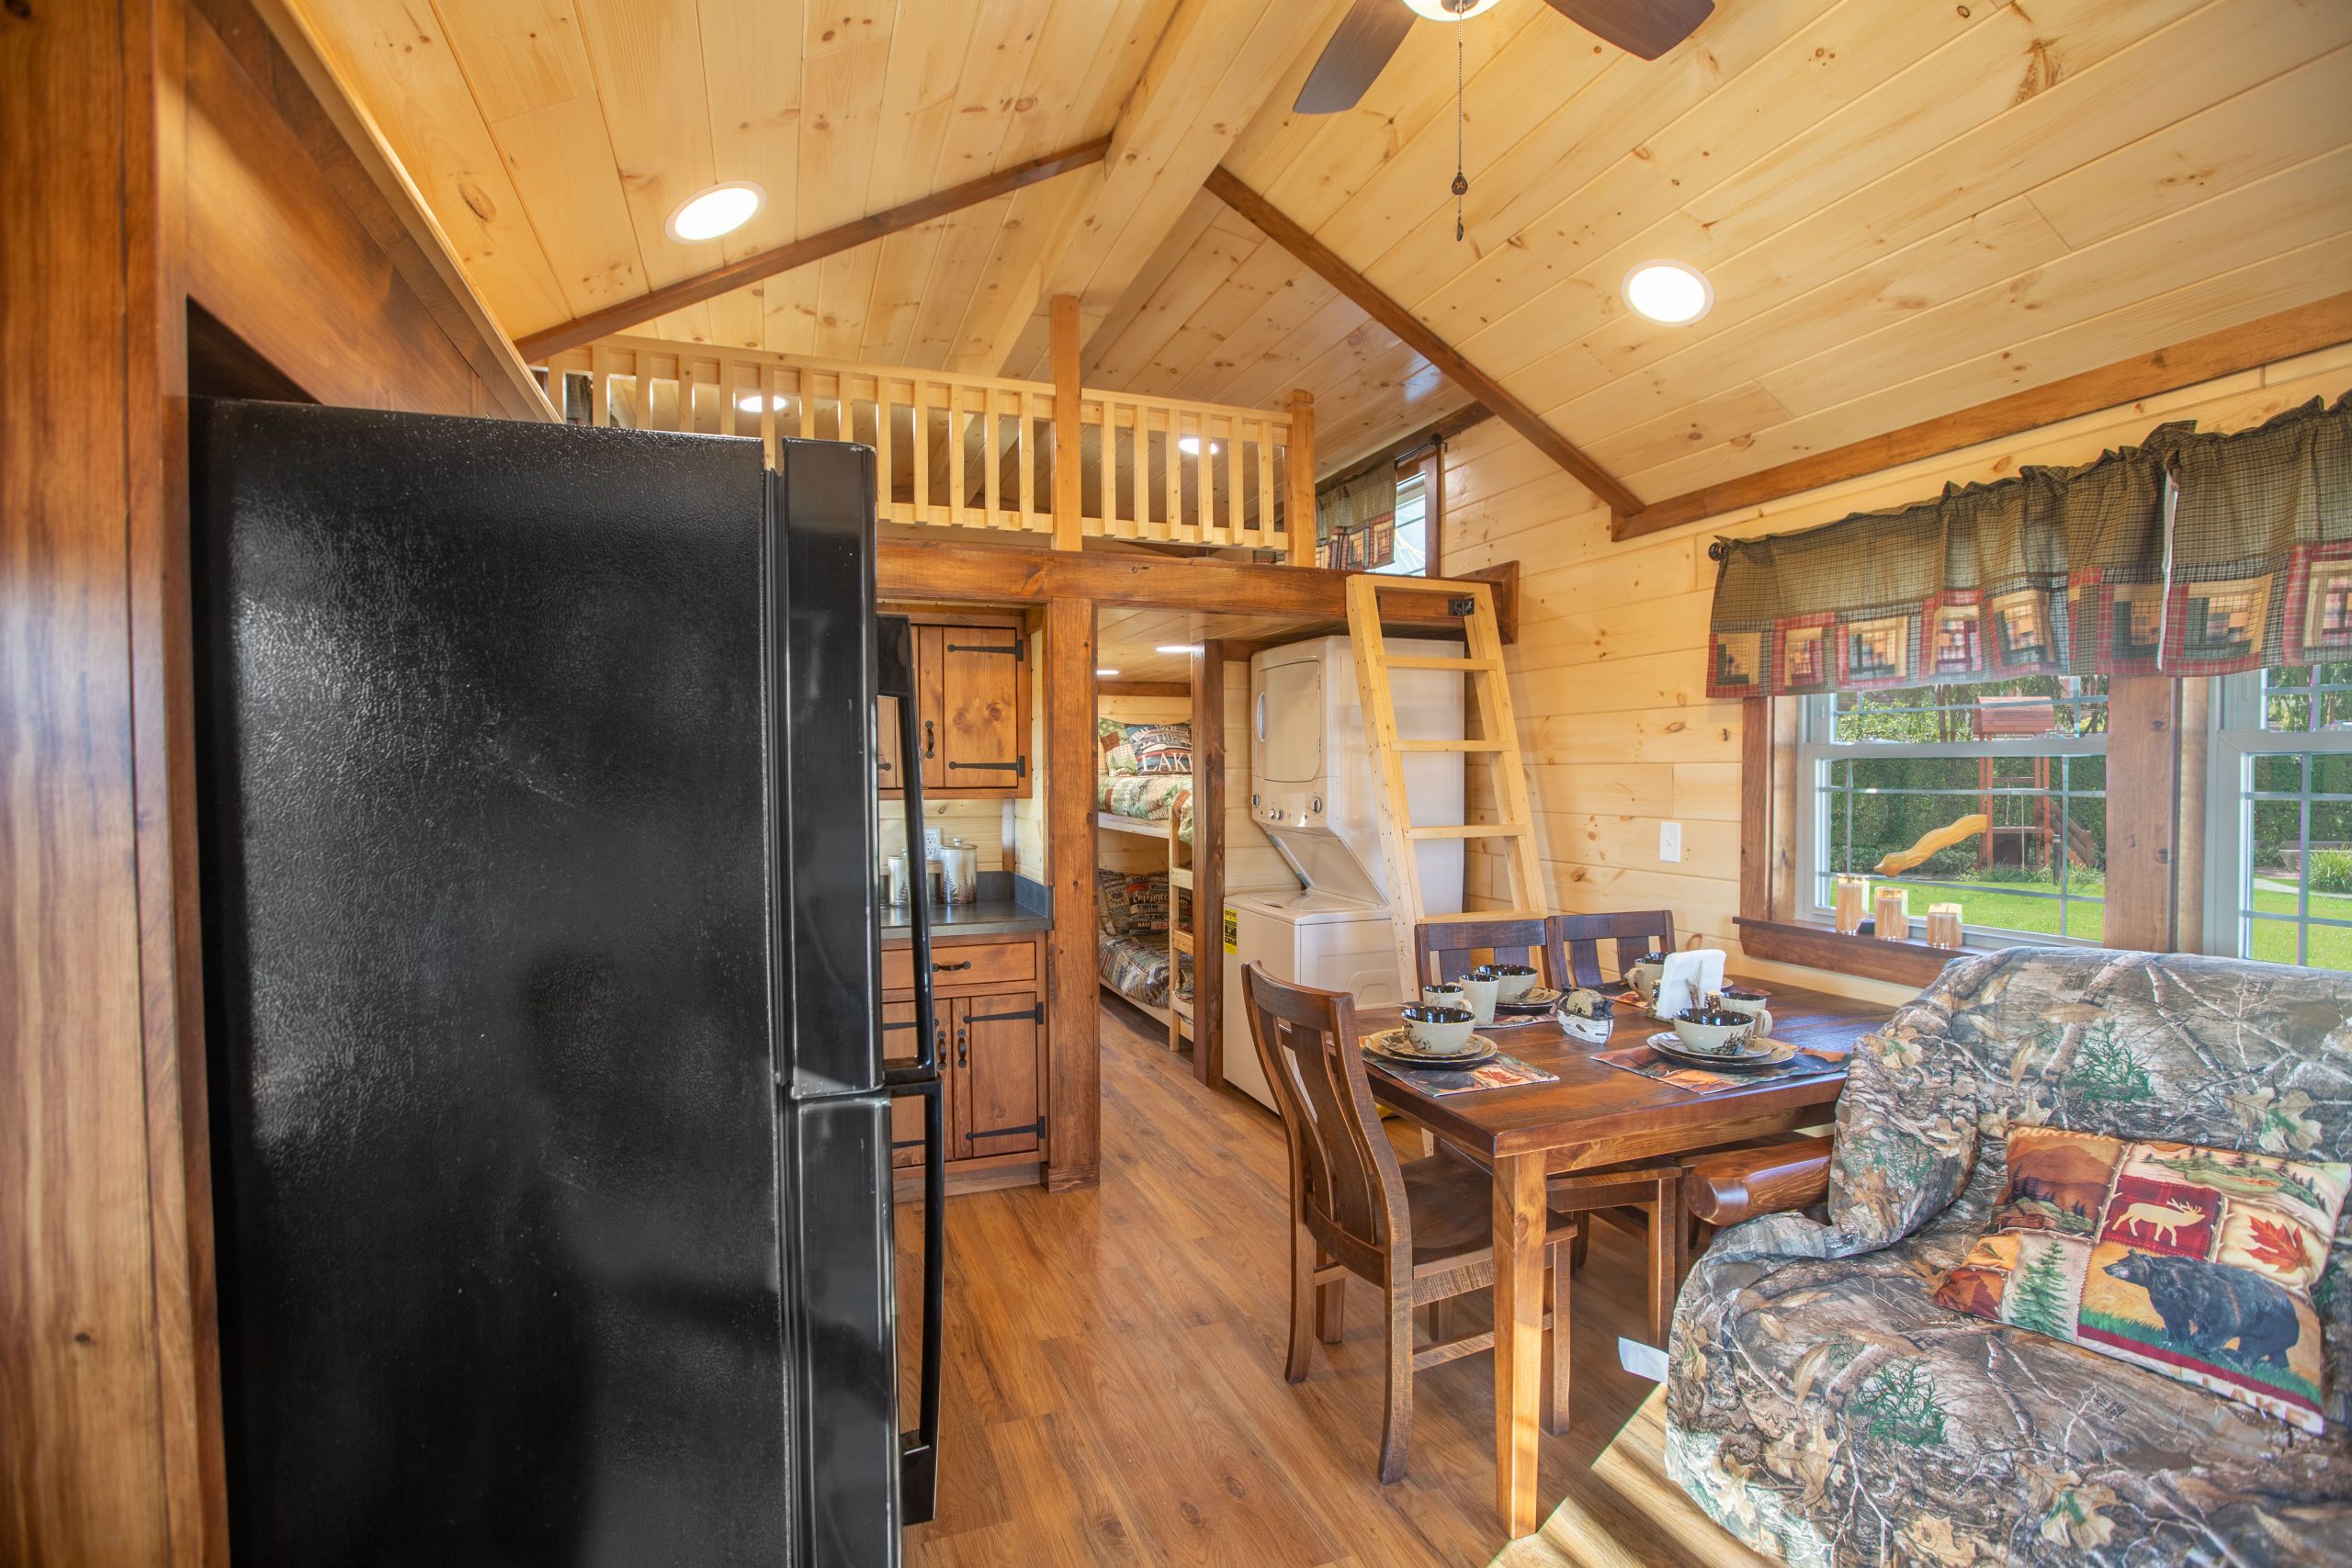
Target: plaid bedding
[{"x": 1147, "y": 798}]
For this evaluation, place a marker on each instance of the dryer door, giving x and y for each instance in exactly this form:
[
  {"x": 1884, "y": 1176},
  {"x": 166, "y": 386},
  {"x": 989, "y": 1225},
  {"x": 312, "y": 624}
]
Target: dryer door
[{"x": 1286, "y": 721}]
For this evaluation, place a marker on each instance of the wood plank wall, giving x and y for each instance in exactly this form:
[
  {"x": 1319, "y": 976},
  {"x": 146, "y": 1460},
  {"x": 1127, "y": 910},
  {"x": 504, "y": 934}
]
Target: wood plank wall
[
  {"x": 151, "y": 152},
  {"x": 1607, "y": 673}
]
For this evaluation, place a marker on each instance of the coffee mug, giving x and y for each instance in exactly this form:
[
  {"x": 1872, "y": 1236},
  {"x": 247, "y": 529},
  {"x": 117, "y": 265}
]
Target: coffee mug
[
  {"x": 1734, "y": 999},
  {"x": 1445, "y": 994},
  {"x": 1478, "y": 992},
  {"x": 1646, "y": 973},
  {"x": 1440, "y": 1031}
]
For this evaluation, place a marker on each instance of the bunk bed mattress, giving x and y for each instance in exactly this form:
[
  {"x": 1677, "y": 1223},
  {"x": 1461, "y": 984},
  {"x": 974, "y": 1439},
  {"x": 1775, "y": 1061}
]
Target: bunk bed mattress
[{"x": 1149, "y": 797}]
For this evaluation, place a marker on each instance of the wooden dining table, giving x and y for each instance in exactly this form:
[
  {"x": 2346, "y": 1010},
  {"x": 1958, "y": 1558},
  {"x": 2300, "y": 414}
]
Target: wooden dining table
[{"x": 1596, "y": 1114}]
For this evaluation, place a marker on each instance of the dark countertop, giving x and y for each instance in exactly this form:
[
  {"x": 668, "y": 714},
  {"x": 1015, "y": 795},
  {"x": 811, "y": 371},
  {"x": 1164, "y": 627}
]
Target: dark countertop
[{"x": 989, "y": 916}]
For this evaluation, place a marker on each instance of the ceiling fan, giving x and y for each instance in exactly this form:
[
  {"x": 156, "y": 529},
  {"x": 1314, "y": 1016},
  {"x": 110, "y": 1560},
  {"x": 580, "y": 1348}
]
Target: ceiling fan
[{"x": 1372, "y": 29}]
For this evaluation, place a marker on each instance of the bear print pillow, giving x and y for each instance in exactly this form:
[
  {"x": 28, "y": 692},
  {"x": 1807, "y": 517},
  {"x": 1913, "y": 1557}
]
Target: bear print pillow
[{"x": 2194, "y": 1262}]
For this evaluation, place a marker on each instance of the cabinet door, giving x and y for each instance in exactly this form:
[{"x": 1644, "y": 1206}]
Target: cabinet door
[
  {"x": 931, "y": 653},
  {"x": 899, "y": 1048},
  {"x": 982, "y": 672},
  {"x": 887, "y": 776},
  {"x": 996, "y": 1099}
]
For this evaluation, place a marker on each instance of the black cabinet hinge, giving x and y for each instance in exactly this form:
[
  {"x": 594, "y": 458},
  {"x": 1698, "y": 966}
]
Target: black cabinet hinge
[
  {"x": 1036, "y": 1127},
  {"x": 1035, "y": 1015},
  {"x": 1018, "y": 767}
]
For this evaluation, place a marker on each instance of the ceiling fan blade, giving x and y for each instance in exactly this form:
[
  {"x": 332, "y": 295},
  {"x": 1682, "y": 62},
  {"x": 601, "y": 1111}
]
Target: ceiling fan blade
[
  {"x": 1367, "y": 36},
  {"x": 1644, "y": 28}
]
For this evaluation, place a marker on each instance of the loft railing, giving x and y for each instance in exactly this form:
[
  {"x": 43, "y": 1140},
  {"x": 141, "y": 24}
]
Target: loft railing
[{"x": 979, "y": 452}]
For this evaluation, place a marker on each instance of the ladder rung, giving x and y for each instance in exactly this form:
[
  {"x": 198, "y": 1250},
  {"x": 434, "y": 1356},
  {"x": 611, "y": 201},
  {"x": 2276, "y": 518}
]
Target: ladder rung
[
  {"x": 1449, "y": 745},
  {"x": 1470, "y": 830},
  {"x": 1423, "y": 662},
  {"x": 1180, "y": 942}
]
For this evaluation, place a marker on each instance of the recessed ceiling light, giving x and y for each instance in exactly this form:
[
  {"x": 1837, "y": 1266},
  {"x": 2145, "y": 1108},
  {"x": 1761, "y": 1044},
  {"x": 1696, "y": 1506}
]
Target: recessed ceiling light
[
  {"x": 721, "y": 210},
  {"x": 1191, "y": 445},
  {"x": 1179, "y": 648},
  {"x": 1450, "y": 10},
  {"x": 1669, "y": 291},
  {"x": 750, "y": 402},
  {"x": 1106, "y": 672}
]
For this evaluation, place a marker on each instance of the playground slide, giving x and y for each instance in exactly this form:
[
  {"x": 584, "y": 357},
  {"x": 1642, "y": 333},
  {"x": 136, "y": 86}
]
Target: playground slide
[{"x": 1935, "y": 838}]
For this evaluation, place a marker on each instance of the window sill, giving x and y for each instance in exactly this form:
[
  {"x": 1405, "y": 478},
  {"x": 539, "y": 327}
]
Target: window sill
[{"x": 1870, "y": 958}]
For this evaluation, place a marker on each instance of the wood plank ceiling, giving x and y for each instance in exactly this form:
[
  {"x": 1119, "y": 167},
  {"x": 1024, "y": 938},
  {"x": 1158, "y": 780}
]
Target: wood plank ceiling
[{"x": 1906, "y": 207}]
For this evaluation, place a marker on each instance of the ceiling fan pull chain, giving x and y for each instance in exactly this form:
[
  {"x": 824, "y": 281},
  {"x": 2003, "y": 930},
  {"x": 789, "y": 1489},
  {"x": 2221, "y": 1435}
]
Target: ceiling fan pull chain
[{"x": 1461, "y": 183}]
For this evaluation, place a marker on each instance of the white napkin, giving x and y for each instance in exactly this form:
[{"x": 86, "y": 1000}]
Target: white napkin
[{"x": 1689, "y": 977}]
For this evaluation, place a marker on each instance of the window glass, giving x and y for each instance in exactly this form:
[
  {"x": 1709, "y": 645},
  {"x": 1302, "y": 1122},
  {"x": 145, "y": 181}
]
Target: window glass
[
  {"x": 1409, "y": 555},
  {"x": 1991, "y": 797},
  {"x": 2283, "y": 850}
]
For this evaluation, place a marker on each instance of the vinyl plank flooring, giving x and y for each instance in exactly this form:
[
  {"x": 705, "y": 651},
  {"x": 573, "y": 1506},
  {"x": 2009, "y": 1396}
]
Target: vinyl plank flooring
[{"x": 1113, "y": 1391}]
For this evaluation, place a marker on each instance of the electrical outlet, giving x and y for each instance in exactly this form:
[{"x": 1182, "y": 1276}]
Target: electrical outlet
[
  {"x": 1669, "y": 841},
  {"x": 930, "y": 842}
]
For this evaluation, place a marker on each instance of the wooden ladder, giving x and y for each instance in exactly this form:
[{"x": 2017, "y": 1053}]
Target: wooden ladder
[{"x": 1482, "y": 647}]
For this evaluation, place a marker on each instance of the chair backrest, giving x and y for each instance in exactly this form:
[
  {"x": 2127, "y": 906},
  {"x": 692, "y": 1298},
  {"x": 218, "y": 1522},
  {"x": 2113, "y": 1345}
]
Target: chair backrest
[
  {"x": 1447, "y": 949},
  {"x": 1345, "y": 1185},
  {"x": 1576, "y": 939}
]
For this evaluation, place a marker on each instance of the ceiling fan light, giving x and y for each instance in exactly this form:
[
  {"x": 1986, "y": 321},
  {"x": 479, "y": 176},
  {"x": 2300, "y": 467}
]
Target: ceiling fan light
[
  {"x": 719, "y": 209},
  {"x": 1191, "y": 445},
  {"x": 1449, "y": 10},
  {"x": 1669, "y": 291},
  {"x": 750, "y": 402}
]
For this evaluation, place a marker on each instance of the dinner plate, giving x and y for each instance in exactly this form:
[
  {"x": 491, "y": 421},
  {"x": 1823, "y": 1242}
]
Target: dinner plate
[
  {"x": 1767, "y": 1054},
  {"x": 1397, "y": 1045},
  {"x": 1536, "y": 998}
]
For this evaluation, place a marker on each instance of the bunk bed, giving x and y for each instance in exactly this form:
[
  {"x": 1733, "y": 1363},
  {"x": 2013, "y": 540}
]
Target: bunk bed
[{"x": 1143, "y": 953}]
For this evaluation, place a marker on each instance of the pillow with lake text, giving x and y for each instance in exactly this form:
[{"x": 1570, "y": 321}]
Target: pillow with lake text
[{"x": 2197, "y": 1263}]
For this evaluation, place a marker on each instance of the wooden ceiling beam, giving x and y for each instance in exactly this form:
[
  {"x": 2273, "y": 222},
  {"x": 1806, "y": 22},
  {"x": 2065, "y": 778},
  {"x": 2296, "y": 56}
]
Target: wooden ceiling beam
[
  {"x": 926, "y": 572},
  {"x": 2306, "y": 329},
  {"x": 1214, "y": 67},
  {"x": 1368, "y": 296},
  {"x": 811, "y": 248}
]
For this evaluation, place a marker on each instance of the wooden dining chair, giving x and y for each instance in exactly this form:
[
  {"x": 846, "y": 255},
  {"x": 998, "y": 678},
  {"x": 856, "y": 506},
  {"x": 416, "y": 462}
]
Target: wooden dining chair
[
  {"x": 1447, "y": 949},
  {"x": 1575, "y": 941},
  {"x": 1422, "y": 1230}
]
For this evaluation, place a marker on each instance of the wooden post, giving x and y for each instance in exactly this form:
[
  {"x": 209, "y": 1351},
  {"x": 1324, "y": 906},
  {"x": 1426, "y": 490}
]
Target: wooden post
[
  {"x": 1208, "y": 863},
  {"x": 1073, "y": 1118},
  {"x": 1068, "y": 451},
  {"x": 2142, "y": 810},
  {"x": 1299, "y": 501}
]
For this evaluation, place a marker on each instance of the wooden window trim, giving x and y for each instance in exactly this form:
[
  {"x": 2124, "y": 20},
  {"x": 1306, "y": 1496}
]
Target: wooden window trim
[{"x": 2146, "y": 778}]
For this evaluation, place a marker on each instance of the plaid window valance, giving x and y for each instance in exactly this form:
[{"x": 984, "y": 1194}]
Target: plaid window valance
[
  {"x": 2191, "y": 554},
  {"x": 1358, "y": 503}
]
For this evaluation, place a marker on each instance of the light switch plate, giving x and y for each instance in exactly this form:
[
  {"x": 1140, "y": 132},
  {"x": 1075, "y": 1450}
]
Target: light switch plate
[{"x": 1669, "y": 841}]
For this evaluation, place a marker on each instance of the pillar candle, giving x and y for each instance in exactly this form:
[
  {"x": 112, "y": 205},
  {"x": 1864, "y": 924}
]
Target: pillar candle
[
  {"x": 1849, "y": 896},
  {"x": 1893, "y": 914}
]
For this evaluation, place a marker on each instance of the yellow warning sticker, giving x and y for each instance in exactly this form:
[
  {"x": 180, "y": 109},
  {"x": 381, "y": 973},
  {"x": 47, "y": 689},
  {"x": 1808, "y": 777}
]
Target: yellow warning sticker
[{"x": 1232, "y": 931}]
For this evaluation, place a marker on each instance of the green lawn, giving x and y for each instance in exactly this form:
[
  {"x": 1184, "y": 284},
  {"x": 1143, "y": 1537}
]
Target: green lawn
[{"x": 2007, "y": 907}]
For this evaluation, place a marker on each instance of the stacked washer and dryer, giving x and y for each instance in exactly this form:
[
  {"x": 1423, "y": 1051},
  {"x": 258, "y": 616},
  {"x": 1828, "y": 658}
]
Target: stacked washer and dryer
[{"x": 1314, "y": 790}]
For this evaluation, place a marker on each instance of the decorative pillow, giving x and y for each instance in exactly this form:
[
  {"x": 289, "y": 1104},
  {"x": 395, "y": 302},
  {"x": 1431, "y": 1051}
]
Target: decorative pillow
[
  {"x": 2194, "y": 1262},
  {"x": 1161, "y": 747},
  {"x": 1128, "y": 904},
  {"x": 1145, "y": 748},
  {"x": 1118, "y": 756}
]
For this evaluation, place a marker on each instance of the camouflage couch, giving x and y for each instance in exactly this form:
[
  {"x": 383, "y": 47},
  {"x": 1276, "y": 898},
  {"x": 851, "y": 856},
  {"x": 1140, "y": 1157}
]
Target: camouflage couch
[{"x": 1823, "y": 1406}]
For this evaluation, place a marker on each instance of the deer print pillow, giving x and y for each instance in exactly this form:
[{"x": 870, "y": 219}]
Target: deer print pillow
[{"x": 2194, "y": 1262}]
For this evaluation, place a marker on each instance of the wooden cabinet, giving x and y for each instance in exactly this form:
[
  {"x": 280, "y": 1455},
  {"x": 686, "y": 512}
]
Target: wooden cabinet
[
  {"x": 972, "y": 685},
  {"x": 995, "y": 1097},
  {"x": 988, "y": 1016}
]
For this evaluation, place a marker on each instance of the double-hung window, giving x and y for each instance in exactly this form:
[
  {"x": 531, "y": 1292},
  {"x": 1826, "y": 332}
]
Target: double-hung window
[
  {"x": 1992, "y": 796},
  {"x": 2278, "y": 867}
]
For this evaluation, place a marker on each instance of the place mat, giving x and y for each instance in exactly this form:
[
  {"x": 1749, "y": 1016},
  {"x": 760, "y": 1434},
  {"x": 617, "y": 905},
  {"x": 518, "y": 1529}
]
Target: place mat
[
  {"x": 1811, "y": 1061},
  {"x": 1502, "y": 1072}
]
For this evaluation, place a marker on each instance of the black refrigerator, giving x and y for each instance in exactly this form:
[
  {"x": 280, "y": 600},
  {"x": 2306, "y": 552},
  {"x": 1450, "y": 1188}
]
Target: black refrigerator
[{"x": 538, "y": 841}]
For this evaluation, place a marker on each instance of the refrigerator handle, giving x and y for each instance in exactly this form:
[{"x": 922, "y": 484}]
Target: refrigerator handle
[{"x": 926, "y": 1062}]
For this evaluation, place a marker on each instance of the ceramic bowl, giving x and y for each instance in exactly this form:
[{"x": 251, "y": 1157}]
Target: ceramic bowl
[
  {"x": 1512, "y": 980},
  {"x": 1440, "y": 1031},
  {"x": 1712, "y": 1031}
]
